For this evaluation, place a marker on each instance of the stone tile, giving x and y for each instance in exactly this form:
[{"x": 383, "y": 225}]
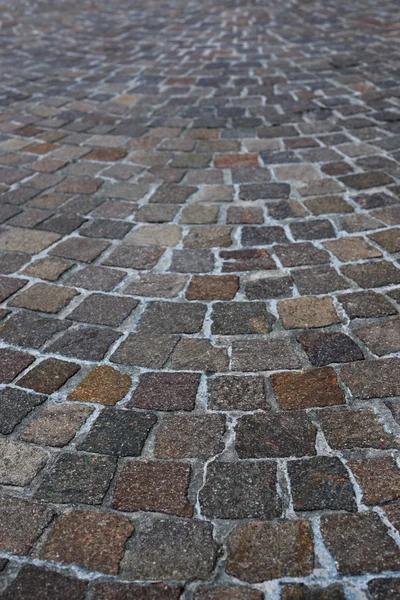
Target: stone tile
[
  {"x": 55, "y": 424},
  {"x": 158, "y": 213},
  {"x": 19, "y": 463},
  {"x": 86, "y": 343},
  {"x": 154, "y": 486},
  {"x": 166, "y": 391},
  {"x": 77, "y": 478},
  {"x": 237, "y": 318},
  {"x": 44, "y": 297},
  {"x": 264, "y": 355},
  {"x": 300, "y": 591},
  {"x": 264, "y": 191},
  {"x": 96, "y": 278},
  {"x": 320, "y": 483},
  {"x": 212, "y": 287},
  {"x": 352, "y": 248},
  {"x": 186, "y": 436},
  {"x": 37, "y": 583},
  {"x": 269, "y": 287},
  {"x": 26, "y": 240},
  {"x": 378, "y": 478},
  {"x": 10, "y": 285},
  {"x": 12, "y": 362},
  {"x": 275, "y": 435},
  {"x": 155, "y": 235},
  {"x": 307, "y": 312},
  {"x": 22, "y": 522},
  {"x": 118, "y": 433},
  {"x": 376, "y": 274},
  {"x": 327, "y": 205},
  {"x": 260, "y": 551},
  {"x": 106, "y": 228},
  {"x": 373, "y": 379},
  {"x": 171, "y": 549},
  {"x": 157, "y": 285},
  {"x": 389, "y": 239},
  {"x": 346, "y": 537},
  {"x": 366, "y": 305},
  {"x": 240, "y": 491},
  {"x": 348, "y": 429},
  {"x": 227, "y": 593},
  {"x": 246, "y": 260},
  {"x": 324, "y": 348},
  {"x": 29, "y": 330},
  {"x": 262, "y": 236},
  {"x": 199, "y": 355},
  {"x": 207, "y": 236},
  {"x": 358, "y": 222},
  {"x": 298, "y": 255},
  {"x": 15, "y": 405},
  {"x": 169, "y": 193},
  {"x": 145, "y": 350},
  {"x": 241, "y": 214},
  {"x": 101, "y": 309},
  {"x": 307, "y": 389},
  {"x": 92, "y": 540},
  {"x": 12, "y": 261},
  {"x": 192, "y": 261},
  {"x": 384, "y": 588},
  {"x": 134, "y": 257},
  {"x": 315, "y": 229},
  {"x": 112, "y": 590},
  {"x": 162, "y": 318},
  {"x": 381, "y": 338},
  {"x": 236, "y": 393},
  {"x": 362, "y": 181},
  {"x": 49, "y": 375},
  {"x": 80, "y": 249},
  {"x": 104, "y": 385},
  {"x": 48, "y": 268},
  {"x": 319, "y": 280}
]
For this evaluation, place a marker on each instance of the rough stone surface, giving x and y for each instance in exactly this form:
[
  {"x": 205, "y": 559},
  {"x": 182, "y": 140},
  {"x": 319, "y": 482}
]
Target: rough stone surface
[
  {"x": 104, "y": 385},
  {"x": 307, "y": 389}
]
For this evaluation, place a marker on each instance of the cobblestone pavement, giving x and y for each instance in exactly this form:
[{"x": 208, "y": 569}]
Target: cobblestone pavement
[{"x": 199, "y": 368}]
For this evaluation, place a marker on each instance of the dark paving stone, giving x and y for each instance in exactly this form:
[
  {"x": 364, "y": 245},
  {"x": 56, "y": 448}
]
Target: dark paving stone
[
  {"x": 145, "y": 350},
  {"x": 381, "y": 338},
  {"x": 366, "y": 305},
  {"x": 300, "y": 591},
  {"x": 271, "y": 287},
  {"x": 264, "y": 355},
  {"x": 49, "y": 375},
  {"x": 96, "y": 278},
  {"x": 77, "y": 478},
  {"x": 318, "y": 280},
  {"x": 192, "y": 261},
  {"x": 324, "y": 348},
  {"x": 106, "y": 228},
  {"x": 38, "y": 583},
  {"x": 373, "y": 379},
  {"x": 162, "y": 318},
  {"x": 320, "y": 483},
  {"x": 14, "y": 406},
  {"x": 262, "y": 236},
  {"x": 12, "y": 363},
  {"x": 384, "y": 589},
  {"x": 10, "y": 285},
  {"x": 314, "y": 229},
  {"x": 87, "y": 343},
  {"x": 240, "y": 491},
  {"x": 187, "y": 436},
  {"x": 166, "y": 391},
  {"x": 80, "y": 249},
  {"x": 236, "y": 393},
  {"x": 378, "y": 478},
  {"x": 22, "y": 522},
  {"x": 134, "y": 257},
  {"x": 237, "y": 318},
  {"x": 101, "y": 309},
  {"x": 118, "y": 433},
  {"x": 376, "y": 274}
]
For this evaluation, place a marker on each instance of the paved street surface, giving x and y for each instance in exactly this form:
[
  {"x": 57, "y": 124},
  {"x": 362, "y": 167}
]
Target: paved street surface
[{"x": 199, "y": 331}]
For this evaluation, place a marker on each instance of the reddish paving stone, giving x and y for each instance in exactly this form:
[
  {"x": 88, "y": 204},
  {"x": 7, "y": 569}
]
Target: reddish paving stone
[
  {"x": 49, "y": 375},
  {"x": 373, "y": 379},
  {"x": 22, "y": 522},
  {"x": 323, "y": 348},
  {"x": 348, "y": 429},
  {"x": 55, "y": 424},
  {"x": 118, "y": 433},
  {"x": 240, "y": 490},
  {"x": 102, "y": 384},
  {"x": 307, "y": 312},
  {"x": 44, "y": 298},
  {"x": 171, "y": 549},
  {"x": 111, "y": 590},
  {"x": 261, "y": 551},
  {"x": 166, "y": 391},
  {"x": 230, "y": 161},
  {"x": 38, "y": 583},
  {"x": 184, "y": 436},
  {"x": 307, "y": 389},
  {"x": 347, "y": 538},
  {"x": 378, "y": 478},
  {"x": 275, "y": 435},
  {"x": 106, "y": 154},
  {"x": 213, "y": 287},
  {"x": 12, "y": 362},
  {"x": 153, "y": 486},
  {"x": 320, "y": 483},
  {"x": 91, "y": 540}
]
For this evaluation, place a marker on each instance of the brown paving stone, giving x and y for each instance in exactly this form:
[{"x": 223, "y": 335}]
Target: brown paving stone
[
  {"x": 275, "y": 435},
  {"x": 55, "y": 424},
  {"x": 199, "y": 355},
  {"x": 261, "y": 551},
  {"x": 328, "y": 205},
  {"x": 307, "y": 389},
  {"x": 184, "y": 436},
  {"x": 102, "y": 384},
  {"x": 12, "y": 362},
  {"x": 48, "y": 268},
  {"x": 80, "y": 185},
  {"x": 157, "y": 285},
  {"x": 307, "y": 312},
  {"x": 389, "y": 239},
  {"x": 236, "y": 393},
  {"x": 171, "y": 549},
  {"x": 91, "y": 540},
  {"x": 376, "y": 274},
  {"x": 373, "y": 379},
  {"x": 38, "y": 583},
  {"x": 166, "y": 391},
  {"x": 348, "y": 429},
  {"x": 300, "y": 591},
  {"x": 96, "y": 278},
  {"x": 366, "y": 304},
  {"x": 352, "y": 248},
  {"x": 264, "y": 355},
  {"x": 80, "y": 249},
  {"x": 239, "y": 214},
  {"x": 153, "y": 486},
  {"x": 207, "y": 236},
  {"x": 10, "y": 285},
  {"x": 22, "y": 522},
  {"x": 29, "y": 241},
  {"x": 134, "y": 257},
  {"x": 101, "y": 309},
  {"x": 145, "y": 350},
  {"x": 111, "y": 590},
  {"x": 44, "y": 298},
  {"x": 381, "y": 338},
  {"x": 227, "y": 593},
  {"x": 49, "y": 375},
  {"x": 378, "y": 478},
  {"x": 346, "y": 537},
  {"x": 246, "y": 260},
  {"x": 212, "y": 287}
]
